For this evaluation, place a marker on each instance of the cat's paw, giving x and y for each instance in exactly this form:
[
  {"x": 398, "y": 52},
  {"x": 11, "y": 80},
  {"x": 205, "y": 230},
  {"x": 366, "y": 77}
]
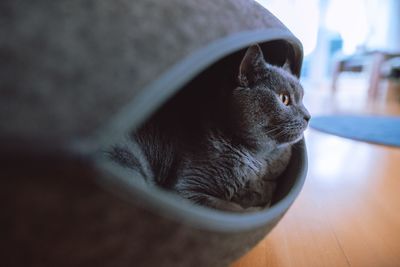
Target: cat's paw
[{"x": 253, "y": 209}]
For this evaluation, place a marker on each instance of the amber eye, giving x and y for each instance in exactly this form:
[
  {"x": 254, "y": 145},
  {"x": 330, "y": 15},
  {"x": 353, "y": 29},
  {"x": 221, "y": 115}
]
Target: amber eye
[{"x": 285, "y": 99}]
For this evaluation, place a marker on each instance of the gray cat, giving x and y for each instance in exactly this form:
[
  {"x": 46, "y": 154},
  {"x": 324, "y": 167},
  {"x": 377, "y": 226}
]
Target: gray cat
[{"x": 232, "y": 163}]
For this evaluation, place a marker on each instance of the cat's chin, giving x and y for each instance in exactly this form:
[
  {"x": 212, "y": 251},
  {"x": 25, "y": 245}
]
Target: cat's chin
[
  {"x": 291, "y": 141},
  {"x": 297, "y": 139}
]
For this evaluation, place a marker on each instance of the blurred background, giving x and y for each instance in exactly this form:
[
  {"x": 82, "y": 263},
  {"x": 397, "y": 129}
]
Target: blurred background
[{"x": 334, "y": 29}]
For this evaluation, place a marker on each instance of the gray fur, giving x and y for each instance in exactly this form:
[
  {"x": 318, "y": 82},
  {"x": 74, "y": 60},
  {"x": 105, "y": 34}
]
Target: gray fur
[{"x": 234, "y": 166}]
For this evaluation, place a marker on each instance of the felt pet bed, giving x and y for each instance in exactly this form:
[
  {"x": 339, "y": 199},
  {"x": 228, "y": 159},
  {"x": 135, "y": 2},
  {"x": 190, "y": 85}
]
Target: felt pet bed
[{"x": 77, "y": 75}]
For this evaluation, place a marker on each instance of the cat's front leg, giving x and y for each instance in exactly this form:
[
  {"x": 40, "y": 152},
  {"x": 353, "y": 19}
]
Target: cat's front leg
[
  {"x": 220, "y": 204},
  {"x": 231, "y": 206},
  {"x": 256, "y": 194},
  {"x": 254, "y": 209}
]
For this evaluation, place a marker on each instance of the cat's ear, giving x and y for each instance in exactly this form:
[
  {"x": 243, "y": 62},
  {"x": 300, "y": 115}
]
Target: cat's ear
[
  {"x": 286, "y": 66},
  {"x": 252, "y": 66}
]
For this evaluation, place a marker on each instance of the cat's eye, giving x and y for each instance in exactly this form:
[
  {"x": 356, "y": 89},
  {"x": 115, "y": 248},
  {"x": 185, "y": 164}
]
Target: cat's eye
[{"x": 285, "y": 99}]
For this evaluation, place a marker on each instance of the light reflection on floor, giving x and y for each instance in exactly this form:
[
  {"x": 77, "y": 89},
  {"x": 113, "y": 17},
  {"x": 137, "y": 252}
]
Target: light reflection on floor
[{"x": 335, "y": 158}]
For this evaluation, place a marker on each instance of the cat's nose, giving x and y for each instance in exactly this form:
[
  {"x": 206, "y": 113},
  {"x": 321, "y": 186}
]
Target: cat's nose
[
  {"x": 305, "y": 113},
  {"x": 307, "y": 117}
]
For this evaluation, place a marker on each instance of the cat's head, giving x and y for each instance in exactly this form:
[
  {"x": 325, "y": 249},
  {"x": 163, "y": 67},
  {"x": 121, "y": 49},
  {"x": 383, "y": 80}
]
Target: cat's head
[{"x": 267, "y": 106}]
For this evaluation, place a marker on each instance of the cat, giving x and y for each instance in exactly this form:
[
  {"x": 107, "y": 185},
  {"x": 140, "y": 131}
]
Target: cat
[{"x": 231, "y": 164}]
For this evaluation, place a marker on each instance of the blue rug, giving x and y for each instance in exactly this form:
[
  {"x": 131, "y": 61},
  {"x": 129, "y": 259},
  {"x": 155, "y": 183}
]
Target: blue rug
[{"x": 383, "y": 130}]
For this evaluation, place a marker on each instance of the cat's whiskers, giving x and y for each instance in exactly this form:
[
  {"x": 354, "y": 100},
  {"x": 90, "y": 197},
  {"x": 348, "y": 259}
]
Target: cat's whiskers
[
  {"x": 272, "y": 130},
  {"x": 287, "y": 129}
]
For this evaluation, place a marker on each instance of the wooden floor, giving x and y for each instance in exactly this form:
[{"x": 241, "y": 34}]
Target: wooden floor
[{"x": 348, "y": 213}]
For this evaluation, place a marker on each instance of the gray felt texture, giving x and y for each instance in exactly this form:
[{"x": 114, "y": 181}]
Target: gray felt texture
[
  {"x": 69, "y": 66},
  {"x": 67, "y": 69}
]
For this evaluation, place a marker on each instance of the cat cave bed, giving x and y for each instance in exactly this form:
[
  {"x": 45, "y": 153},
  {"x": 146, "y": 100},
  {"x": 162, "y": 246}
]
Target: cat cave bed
[{"x": 78, "y": 75}]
